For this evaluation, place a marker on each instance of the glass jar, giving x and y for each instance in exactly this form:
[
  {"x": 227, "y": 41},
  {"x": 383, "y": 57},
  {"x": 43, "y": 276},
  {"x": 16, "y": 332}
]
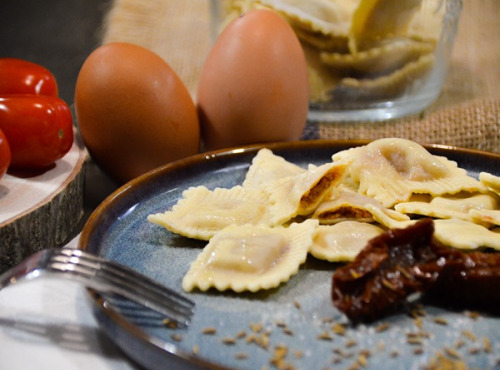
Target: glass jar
[{"x": 368, "y": 60}]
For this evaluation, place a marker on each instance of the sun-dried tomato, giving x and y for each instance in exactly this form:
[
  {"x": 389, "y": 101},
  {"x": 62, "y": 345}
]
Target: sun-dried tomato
[{"x": 401, "y": 262}]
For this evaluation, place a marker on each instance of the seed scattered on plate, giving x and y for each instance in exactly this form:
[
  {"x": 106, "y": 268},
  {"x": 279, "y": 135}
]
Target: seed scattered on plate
[
  {"x": 229, "y": 341},
  {"x": 337, "y": 360},
  {"x": 365, "y": 353},
  {"x": 419, "y": 334},
  {"x": 325, "y": 336},
  {"x": 338, "y": 351},
  {"x": 474, "y": 315},
  {"x": 241, "y": 356},
  {"x": 280, "y": 324},
  {"x": 176, "y": 337},
  {"x": 251, "y": 338},
  {"x": 440, "y": 321},
  {"x": 474, "y": 351},
  {"x": 242, "y": 334},
  {"x": 362, "y": 360},
  {"x": 486, "y": 345},
  {"x": 263, "y": 341},
  {"x": 256, "y": 327},
  {"x": 414, "y": 341},
  {"x": 418, "y": 311},
  {"x": 351, "y": 343},
  {"x": 348, "y": 355},
  {"x": 171, "y": 324},
  {"x": 278, "y": 359},
  {"x": 418, "y": 322},
  {"x": 260, "y": 340},
  {"x": 440, "y": 361},
  {"x": 469, "y": 335},
  {"x": 339, "y": 329},
  {"x": 196, "y": 349},
  {"x": 382, "y": 327},
  {"x": 381, "y": 346},
  {"x": 298, "y": 354},
  {"x": 209, "y": 331},
  {"x": 418, "y": 351},
  {"x": 452, "y": 353}
]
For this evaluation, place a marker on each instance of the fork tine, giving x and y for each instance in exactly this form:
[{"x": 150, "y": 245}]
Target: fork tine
[
  {"x": 132, "y": 277},
  {"x": 106, "y": 275},
  {"x": 100, "y": 283}
]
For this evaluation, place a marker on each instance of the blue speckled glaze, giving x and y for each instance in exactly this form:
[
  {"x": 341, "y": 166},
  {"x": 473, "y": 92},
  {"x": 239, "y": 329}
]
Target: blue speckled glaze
[{"x": 119, "y": 230}]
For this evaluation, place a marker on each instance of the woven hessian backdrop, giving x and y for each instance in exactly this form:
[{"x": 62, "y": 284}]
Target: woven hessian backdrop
[{"x": 466, "y": 114}]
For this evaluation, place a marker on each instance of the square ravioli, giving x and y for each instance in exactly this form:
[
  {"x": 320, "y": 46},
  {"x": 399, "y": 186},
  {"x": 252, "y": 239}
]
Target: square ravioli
[{"x": 250, "y": 257}]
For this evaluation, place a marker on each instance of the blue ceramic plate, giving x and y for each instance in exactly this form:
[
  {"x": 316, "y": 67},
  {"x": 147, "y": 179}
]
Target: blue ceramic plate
[{"x": 252, "y": 329}]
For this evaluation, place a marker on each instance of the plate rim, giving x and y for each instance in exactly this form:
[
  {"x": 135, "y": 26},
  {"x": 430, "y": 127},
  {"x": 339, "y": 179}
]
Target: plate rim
[{"x": 169, "y": 348}]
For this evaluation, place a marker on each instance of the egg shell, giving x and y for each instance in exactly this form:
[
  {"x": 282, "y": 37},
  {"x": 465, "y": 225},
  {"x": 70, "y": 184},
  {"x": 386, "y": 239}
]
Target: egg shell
[
  {"x": 253, "y": 86},
  {"x": 133, "y": 111}
]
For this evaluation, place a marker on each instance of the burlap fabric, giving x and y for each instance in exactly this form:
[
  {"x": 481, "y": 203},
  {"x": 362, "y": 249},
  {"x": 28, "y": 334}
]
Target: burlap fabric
[{"x": 466, "y": 114}]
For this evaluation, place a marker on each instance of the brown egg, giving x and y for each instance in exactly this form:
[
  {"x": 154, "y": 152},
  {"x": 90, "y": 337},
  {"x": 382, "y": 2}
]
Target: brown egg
[
  {"x": 253, "y": 85},
  {"x": 133, "y": 111}
]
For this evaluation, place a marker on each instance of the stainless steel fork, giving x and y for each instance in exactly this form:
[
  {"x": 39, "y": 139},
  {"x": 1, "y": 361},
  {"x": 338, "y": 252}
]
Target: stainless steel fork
[{"x": 104, "y": 276}]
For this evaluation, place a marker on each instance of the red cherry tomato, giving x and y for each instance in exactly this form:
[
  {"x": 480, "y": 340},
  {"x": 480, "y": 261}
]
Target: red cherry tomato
[
  {"x": 39, "y": 129},
  {"x": 4, "y": 154},
  {"x": 19, "y": 76}
]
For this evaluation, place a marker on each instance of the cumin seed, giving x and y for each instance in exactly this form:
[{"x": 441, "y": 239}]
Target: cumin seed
[
  {"x": 486, "y": 345},
  {"x": 171, "y": 324},
  {"x": 474, "y": 351},
  {"x": 228, "y": 341},
  {"x": 351, "y": 343},
  {"x": 196, "y": 349},
  {"x": 324, "y": 336},
  {"x": 339, "y": 329},
  {"x": 256, "y": 328},
  {"x": 440, "y": 321},
  {"x": 469, "y": 335},
  {"x": 176, "y": 337},
  {"x": 418, "y": 351},
  {"x": 362, "y": 360},
  {"x": 241, "y": 356},
  {"x": 474, "y": 315},
  {"x": 414, "y": 341},
  {"x": 452, "y": 353},
  {"x": 382, "y": 327},
  {"x": 209, "y": 331}
]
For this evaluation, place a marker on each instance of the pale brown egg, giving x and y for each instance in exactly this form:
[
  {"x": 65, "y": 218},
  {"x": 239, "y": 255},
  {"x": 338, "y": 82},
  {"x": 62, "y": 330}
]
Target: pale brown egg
[
  {"x": 133, "y": 111},
  {"x": 253, "y": 86}
]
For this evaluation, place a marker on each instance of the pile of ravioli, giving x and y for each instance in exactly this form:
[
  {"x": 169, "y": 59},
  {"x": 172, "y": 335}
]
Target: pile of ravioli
[
  {"x": 359, "y": 49},
  {"x": 260, "y": 232}
]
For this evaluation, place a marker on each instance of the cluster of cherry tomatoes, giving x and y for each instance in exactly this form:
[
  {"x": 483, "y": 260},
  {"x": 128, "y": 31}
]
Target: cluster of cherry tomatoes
[{"x": 36, "y": 126}]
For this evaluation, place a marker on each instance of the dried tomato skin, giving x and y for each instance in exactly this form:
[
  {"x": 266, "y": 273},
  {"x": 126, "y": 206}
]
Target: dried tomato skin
[
  {"x": 471, "y": 281},
  {"x": 385, "y": 273}
]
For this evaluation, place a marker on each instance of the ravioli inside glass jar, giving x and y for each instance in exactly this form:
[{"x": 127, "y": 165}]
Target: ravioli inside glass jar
[{"x": 368, "y": 60}]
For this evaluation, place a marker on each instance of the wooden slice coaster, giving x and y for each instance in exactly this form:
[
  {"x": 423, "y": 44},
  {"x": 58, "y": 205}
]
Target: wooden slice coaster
[{"x": 41, "y": 210}]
